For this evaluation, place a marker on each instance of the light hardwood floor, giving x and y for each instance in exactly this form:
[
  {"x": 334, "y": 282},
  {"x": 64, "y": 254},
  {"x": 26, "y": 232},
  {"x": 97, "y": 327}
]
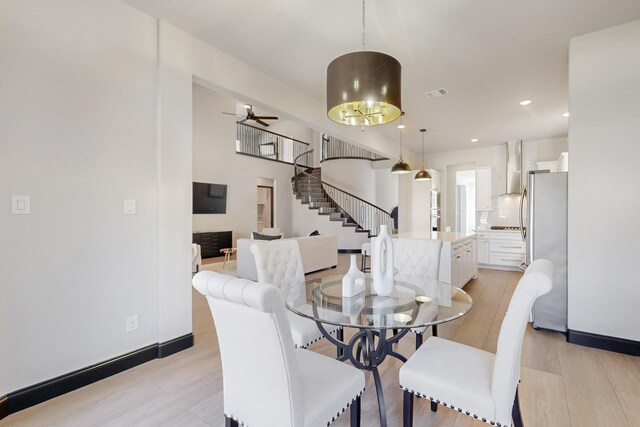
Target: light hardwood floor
[{"x": 562, "y": 384}]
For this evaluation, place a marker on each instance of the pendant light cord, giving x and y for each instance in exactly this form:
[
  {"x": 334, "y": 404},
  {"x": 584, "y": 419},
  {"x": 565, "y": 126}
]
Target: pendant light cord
[
  {"x": 363, "y": 25},
  {"x": 423, "y": 149}
]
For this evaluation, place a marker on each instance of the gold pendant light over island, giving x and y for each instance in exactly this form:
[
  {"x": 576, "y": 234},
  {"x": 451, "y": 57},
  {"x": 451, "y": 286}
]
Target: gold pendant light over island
[{"x": 422, "y": 174}]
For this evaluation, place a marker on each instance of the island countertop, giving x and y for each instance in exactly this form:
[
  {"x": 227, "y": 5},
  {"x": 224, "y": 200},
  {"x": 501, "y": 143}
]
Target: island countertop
[{"x": 432, "y": 235}]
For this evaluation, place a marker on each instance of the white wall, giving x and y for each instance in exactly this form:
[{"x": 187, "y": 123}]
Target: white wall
[
  {"x": 386, "y": 189},
  {"x": 604, "y": 206},
  {"x": 353, "y": 176},
  {"x": 78, "y": 134},
  {"x": 215, "y": 160}
]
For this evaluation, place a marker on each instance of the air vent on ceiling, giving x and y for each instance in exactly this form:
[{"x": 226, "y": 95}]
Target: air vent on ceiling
[{"x": 437, "y": 93}]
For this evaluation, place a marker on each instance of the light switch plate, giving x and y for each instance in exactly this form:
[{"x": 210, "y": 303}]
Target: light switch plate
[
  {"x": 129, "y": 206},
  {"x": 20, "y": 205}
]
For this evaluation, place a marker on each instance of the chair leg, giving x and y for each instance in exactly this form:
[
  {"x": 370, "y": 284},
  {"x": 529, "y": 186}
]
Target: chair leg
[
  {"x": 363, "y": 267},
  {"x": 355, "y": 413},
  {"x": 434, "y": 331},
  {"x": 407, "y": 409},
  {"x": 515, "y": 412},
  {"x": 418, "y": 340},
  {"x": 339, "y": 337},
  {"x": 230, "y": 422},
  {"x": 434, "y": 406}
]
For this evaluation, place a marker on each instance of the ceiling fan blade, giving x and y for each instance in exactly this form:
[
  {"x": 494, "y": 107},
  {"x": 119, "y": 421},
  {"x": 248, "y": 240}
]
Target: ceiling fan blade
[
  {"x": 231, "y": 114},
  {"x": 261, "y": 122},
  {"x": 267, "y": 117}
]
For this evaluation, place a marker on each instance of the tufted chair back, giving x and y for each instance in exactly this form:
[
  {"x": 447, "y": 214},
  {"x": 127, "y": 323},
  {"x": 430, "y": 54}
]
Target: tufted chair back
[
  {"x": 279, "y": 262},
  {"x": 536, "y": 281},
  {"x": 418, "y": 262},
  {"x": 251, "y": 324}
]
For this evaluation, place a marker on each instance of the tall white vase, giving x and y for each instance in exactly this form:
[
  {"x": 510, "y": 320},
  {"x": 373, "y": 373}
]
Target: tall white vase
[
  {"x": 382, "y": 263},
  {"x": 353, "y": 281}
]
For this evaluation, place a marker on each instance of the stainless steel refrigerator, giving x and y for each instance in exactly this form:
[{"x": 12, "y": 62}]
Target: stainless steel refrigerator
[{"x": 545, "y": 198}]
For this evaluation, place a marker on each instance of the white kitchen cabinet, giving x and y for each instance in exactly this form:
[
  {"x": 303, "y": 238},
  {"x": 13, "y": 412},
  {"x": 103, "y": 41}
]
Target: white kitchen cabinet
[
  {"x": 463, "y": 265},
  {"x": 551, "y": 166},
  {"x": 483, "y": 248},
  {"x": 483, "y": 188},
  {"x": 501, "y": 249}
]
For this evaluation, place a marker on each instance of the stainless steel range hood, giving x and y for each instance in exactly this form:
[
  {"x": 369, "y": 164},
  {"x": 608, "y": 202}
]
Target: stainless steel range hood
[{"x": 513, "y": 173}]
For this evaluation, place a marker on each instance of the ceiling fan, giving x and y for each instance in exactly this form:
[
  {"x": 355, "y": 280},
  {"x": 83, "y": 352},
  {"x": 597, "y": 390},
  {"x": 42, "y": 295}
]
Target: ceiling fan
[{"x": 251, "y": 116}]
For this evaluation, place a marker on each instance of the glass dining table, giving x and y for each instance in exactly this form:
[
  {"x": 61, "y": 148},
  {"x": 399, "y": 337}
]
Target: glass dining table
[{"x": 374, "y": 316}]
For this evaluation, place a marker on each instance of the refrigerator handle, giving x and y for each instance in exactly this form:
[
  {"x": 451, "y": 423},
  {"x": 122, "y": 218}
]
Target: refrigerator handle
[{"x": 523, "y": 231}]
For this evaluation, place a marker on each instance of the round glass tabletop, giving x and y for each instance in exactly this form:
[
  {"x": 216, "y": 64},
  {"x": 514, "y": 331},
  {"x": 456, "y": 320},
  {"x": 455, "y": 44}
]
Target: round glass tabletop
[{"x": 407, "y": 307}]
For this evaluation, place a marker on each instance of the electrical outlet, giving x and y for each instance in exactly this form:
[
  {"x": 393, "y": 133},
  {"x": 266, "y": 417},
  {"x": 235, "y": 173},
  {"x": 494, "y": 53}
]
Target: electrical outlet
[{"x": 132, "y": 323}]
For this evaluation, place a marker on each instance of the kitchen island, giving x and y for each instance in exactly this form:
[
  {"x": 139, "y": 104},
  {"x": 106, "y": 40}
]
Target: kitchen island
[{"x": 459, "y": 257}]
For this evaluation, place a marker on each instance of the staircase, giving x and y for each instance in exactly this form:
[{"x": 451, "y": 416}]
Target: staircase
[
  {"x": 337, "y": 204},
  {"x": 310, "y": 192}
]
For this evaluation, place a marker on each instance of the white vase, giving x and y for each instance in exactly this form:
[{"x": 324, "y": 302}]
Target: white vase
[
  {"x": 353, "y": 281},
  {"x": 382, "y": 263}
]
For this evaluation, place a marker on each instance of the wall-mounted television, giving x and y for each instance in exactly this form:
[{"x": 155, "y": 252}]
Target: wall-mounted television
[{"x": 209, "y": 198}]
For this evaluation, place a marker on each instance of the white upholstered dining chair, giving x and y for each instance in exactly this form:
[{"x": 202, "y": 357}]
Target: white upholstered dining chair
[
  {"x": 472, "y": 381},
  {"x": 266, "y": 381},
  {"x": 278, "y": 262},
  {"x": 418, "y": 263}
]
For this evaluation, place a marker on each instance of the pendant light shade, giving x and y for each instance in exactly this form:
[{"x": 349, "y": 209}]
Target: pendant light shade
[
  {"x": 422, "y": 174},
  {"x": 363, "y": 88},
  {"x": 401, "y": 167}
]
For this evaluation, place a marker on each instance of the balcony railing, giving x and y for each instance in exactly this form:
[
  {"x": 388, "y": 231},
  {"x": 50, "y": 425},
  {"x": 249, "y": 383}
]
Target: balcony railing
[
  {"x": 334, "y": 148},
  {"x": 258, "y": 142}
]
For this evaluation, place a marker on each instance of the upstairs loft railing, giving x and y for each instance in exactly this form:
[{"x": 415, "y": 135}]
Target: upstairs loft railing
[
  {"x": 368, "y": 216},
  {"x": 258, "y": 142},
  {"x": 334, "y": 148}
]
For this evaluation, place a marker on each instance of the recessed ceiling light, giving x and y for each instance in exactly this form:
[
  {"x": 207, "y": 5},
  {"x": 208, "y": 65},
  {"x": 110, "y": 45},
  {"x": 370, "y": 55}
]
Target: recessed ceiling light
[
  {"x": 401, "y": 126},
  {"x": 566, "y": 114},
  {"x": 474, "y": 140},
  {"x": 525, "y": 102}
]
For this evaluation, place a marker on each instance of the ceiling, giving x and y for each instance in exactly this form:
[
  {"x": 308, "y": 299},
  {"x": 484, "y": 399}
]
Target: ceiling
[{"x": 489, "y": 54}]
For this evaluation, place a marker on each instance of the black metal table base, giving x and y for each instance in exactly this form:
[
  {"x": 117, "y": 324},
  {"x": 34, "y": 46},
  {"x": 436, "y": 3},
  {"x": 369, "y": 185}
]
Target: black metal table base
[{"x": 366, "y": 350}]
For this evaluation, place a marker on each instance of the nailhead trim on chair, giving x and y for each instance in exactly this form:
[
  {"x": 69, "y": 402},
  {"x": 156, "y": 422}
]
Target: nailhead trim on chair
[
  {"x": 344, "y": 409},
  {"x": 314, "y": 341},
  {"x": 424, "y": 396},
  {"x": 328, "y": 423}
]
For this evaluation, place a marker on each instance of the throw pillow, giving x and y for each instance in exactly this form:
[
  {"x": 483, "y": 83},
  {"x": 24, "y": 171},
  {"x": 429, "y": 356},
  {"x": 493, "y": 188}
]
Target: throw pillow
[
  {"x": 314, "y": 233},
  {"x": 259, "y": 236}
]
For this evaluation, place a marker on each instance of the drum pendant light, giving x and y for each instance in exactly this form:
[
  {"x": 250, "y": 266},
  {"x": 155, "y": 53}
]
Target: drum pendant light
[
  {"x": 422, "y": 174},
  {"x": 363, "y": 88},
  {"x": 401, "y": 167}
]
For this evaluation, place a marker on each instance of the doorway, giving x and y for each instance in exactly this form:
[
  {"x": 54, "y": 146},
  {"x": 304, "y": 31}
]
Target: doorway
[
  {"x": 264, "y": 207},
  {"x": 465, "y": 201}
]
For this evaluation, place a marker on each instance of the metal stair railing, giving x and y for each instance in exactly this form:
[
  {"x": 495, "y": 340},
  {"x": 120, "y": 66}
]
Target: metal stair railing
[
  {"x": 366, "y": 215},
  {"x": 334, "y": 148},
  {"x": 257, "y": 142}
]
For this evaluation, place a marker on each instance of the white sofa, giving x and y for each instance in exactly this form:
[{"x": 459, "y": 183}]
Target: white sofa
[{"x": 317, "y": 252}]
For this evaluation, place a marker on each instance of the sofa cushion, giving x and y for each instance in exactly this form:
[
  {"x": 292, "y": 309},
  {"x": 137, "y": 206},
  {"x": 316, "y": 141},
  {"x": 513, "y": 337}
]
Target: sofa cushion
[{"x": 258, "y": 236}]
